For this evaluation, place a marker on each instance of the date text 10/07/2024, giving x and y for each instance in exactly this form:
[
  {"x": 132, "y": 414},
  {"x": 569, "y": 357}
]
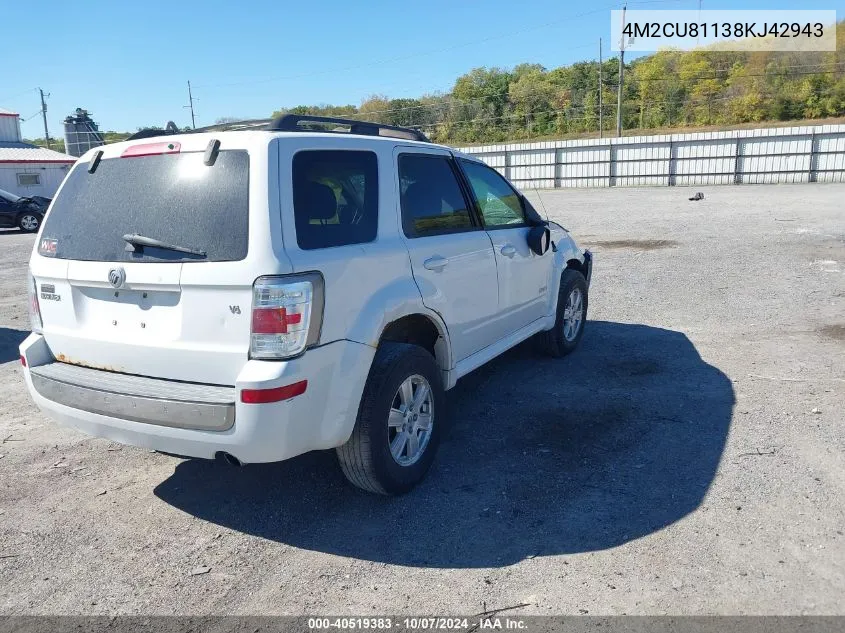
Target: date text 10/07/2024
[{"x": 490, "y": 623}]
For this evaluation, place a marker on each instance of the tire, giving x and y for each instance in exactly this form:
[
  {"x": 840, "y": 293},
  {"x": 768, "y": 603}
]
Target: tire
[
  {"x": 366, "y": 459},
  {"x": 29, "y": 221},
  {"x": 560, "y": 341}
]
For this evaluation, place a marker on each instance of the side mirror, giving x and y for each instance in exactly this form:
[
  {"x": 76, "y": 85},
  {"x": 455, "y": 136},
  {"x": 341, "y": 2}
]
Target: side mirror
[{"x": 539, "y": 238}]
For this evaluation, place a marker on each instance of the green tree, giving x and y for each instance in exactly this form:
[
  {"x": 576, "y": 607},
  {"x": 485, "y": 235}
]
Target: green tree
[
  {"x": 531, "y": 93},
  {"x": 667, "y": 89}
]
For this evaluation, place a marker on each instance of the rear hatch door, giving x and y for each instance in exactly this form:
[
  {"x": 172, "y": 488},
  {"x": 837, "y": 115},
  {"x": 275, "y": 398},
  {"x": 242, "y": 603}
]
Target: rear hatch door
[{"x": 151, "y": 310}]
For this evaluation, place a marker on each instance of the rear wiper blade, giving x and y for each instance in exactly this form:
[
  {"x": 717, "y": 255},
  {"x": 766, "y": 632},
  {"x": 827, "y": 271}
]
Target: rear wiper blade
[{"x": 142, "y": 240}]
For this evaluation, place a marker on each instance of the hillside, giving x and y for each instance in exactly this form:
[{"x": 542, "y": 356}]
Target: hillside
[{"x": 666, "y": 90}]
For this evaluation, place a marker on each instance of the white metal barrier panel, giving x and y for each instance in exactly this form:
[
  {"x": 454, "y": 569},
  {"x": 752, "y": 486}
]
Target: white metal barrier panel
[{"x": 772, "y": 155}]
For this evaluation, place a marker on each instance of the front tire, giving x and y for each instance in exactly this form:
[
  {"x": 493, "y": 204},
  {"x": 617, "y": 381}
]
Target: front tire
[
  {"x": 571, "y": 316},
  {"x": 28, "y": 222},
  {"x": 399, "y": 421}
]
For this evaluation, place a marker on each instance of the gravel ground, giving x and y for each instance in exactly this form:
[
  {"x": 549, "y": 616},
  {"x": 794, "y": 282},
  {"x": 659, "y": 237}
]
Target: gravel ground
[{"x": 688, "y": 459}]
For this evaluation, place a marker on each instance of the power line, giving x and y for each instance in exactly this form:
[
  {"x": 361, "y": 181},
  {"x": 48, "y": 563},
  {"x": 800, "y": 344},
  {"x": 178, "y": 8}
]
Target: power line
[
  {"x": 31, "y": 116},
  {"x": 763, "y": 74},
  {"x": 446, "y": 100},
  {"x": 18, "y": 94},
  {"x": 565, "y": 111},
  {"x": 423, "y": 53}
]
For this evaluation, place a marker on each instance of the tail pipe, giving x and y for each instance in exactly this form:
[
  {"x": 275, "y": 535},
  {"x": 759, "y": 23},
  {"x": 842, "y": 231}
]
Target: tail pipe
[{"x": 227, "y": 458}]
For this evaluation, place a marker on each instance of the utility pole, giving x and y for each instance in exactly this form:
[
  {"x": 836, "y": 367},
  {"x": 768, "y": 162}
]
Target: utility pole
[
  {"x": 601, "y": 111},
  {"x": 191, "y": 106},
  {"x": 44, "y": 117},
  {"x": 698, "y": 39},
  {"x": 621, "y": 75}
]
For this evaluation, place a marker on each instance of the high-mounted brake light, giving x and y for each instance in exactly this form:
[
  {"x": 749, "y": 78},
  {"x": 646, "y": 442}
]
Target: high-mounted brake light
[
  {"x": 287, "y": 313},
  {"x": 151, "y": 149}
]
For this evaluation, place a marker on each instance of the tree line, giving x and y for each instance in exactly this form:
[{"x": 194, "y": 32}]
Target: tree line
[{"x": 669, "y": 89}]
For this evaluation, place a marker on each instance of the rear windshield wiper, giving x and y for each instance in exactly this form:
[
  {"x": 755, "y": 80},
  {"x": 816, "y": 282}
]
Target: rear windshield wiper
[{"x": 142, "y": 240}]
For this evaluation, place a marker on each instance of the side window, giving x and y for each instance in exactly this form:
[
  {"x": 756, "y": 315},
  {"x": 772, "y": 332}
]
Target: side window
[
  {"x": 431, "y": 198},
  {"x": 29, "y": 180},
  {"x": 335, "y": 198},
  {"x": 498, "y": 202}
]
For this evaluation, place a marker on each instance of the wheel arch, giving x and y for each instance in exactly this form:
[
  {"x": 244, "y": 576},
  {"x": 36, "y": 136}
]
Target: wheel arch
[
  {"x": 397, "y": 309},
  {"x": 35, "y": 212},
  {"x": 425, "y": 329},
  {"x": 575, "y": 264},
  {"x": 567, "y": 256}
]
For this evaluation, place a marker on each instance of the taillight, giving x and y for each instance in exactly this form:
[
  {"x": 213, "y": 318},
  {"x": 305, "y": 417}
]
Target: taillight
[
  {"x": 34, "y": 309},
  {"x": 287, "y": 313}
]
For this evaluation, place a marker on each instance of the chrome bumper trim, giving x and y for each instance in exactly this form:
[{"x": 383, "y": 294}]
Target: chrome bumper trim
[{"x": 137, "y": 398}]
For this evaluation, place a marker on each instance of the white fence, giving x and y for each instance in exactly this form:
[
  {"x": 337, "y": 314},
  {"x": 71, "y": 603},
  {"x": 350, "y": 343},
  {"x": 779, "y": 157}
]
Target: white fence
[{"x": 772, "y": 155}]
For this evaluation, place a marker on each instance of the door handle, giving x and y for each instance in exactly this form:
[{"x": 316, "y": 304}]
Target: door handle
[
  {"x": 508, "y": 250},
  {"x": 435, "y": 263}
]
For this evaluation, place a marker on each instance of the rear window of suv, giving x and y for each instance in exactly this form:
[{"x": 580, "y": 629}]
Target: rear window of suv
[
  {"x": 335, "y": 197},
  {"x": 173, "y": 198}
]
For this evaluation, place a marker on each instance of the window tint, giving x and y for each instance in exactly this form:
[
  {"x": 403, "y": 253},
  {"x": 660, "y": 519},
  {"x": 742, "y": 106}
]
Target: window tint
[
  {"x": 432, "y": 201},
  {"x": 498, "y": 202},
  {"x": 335, "y": 198},
  {"x": 174, "y": 198}
]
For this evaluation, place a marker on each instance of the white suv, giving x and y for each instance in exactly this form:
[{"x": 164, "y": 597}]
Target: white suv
[{"x": 259, "y": 293}]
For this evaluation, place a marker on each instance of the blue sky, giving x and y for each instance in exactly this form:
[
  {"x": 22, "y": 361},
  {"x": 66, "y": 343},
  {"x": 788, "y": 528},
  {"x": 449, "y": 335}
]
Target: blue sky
[{"x": 128, "y": 62}]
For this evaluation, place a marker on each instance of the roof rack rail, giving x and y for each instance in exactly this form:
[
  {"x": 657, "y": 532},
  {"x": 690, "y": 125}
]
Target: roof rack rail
[
  {"x": 170, "y": 128},
  {"x": 291, "y": 123},
  {"x": 234, "y": 126}
]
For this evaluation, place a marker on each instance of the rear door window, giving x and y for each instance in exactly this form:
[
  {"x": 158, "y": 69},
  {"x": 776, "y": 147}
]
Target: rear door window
[
  {"x": 335, "y": 198},
  {"x": 173, "y": 198},
  {"x": 431, "y": 198}
]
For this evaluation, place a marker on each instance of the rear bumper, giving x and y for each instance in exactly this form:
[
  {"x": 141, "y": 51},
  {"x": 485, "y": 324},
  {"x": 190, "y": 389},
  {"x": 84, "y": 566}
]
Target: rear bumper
[
  {"x": 136, "y": 398},
  {"x": 202, "y": 420}
]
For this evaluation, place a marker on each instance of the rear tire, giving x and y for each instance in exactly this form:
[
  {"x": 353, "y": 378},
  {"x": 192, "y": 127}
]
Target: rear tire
[
  {"x": 564, "y": 337},
  {"x": 29, "y": 222},
  {"x": 403, "y": 395}
]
